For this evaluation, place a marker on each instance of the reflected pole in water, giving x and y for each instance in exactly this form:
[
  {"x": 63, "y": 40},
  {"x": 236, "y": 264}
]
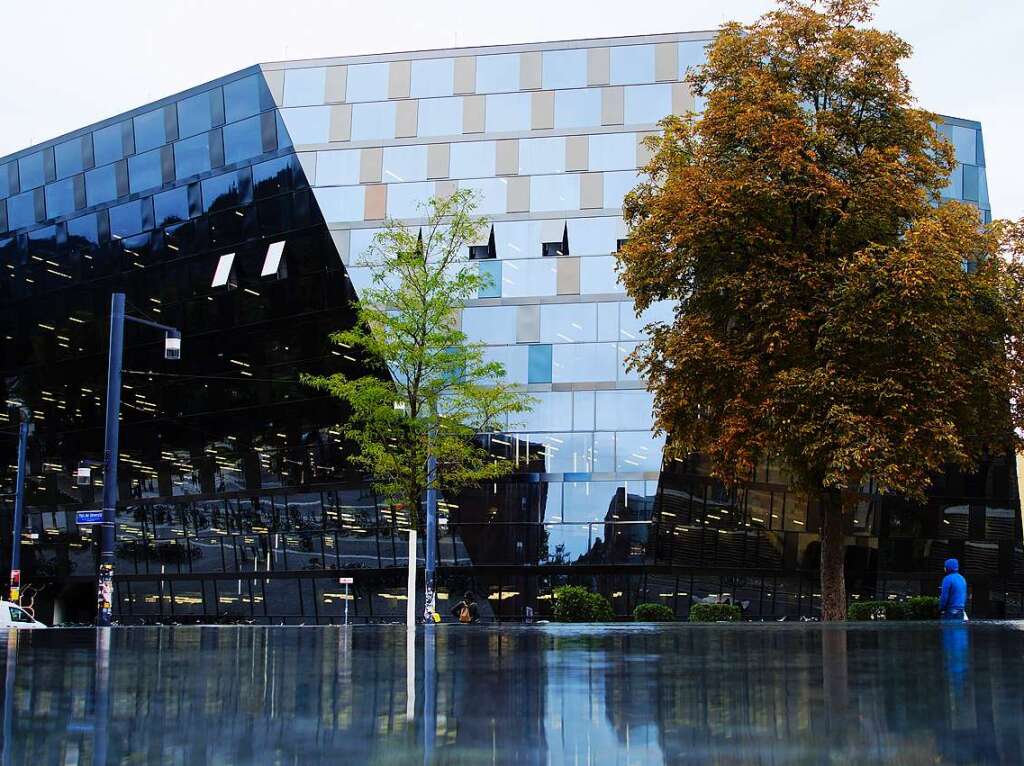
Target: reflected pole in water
[
  {"x": 10, "y": 668},
  {"x": 410, "y": 674},
  {"x": 101, "y": 712},
  {"x": 430, "y": 561},
  {"x": 24, "y": 429},
  {"x": 429, "y": 694},
  {"x": 835, "y": 677}
]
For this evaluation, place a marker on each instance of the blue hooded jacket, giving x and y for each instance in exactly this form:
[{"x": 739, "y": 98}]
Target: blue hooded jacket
[{"x": 954, "y": 588}]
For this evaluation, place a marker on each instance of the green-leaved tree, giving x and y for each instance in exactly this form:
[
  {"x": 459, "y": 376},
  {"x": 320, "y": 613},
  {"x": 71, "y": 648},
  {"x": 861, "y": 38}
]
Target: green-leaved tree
[{"x": 432, "y": 391}]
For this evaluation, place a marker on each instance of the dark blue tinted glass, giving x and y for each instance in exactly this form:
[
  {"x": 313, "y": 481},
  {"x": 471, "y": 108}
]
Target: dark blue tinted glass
[
  {"x": 171, "y": 206},
  {"x": 84, "y": 230},
  {"x": 5, "y": 181},
  {"x": 195, "y": 115},
  {"x": 150, "y": 131},
  {"x": 971, "y": 182},
  {"x": 144, "y": 171},
  {"x": 126, "y": 219},
  {"x": 21, "y": 210},
  {"x": 192, "y": 156},
  {"x": 31, "y": 171},
  {"x": 60, "y": 198},
  {"x": 276, "y": 176},
  {"x": 242, "y": 140},
  {"x": 107, "y": 144},
  {"x": 284, "y": 139},
  {"x": 100, "y": 185},
  {"x": 539, "y": 364},
  {"x": 68, "y": 157},
  {"x": 226, "y": 191},
  {"x": 242, "y": 98}
]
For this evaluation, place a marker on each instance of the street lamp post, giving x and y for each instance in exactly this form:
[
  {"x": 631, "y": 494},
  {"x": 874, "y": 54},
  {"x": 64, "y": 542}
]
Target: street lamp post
[
  {"x": 25, "y": 417},
  {"x": 172, "y": 350}
]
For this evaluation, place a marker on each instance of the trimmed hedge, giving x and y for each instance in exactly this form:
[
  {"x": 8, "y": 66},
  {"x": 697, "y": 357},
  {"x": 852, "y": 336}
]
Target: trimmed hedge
[
  {"x": 576, "y": 604},
  {"x": 913, "y": 608},
  {"x": 715, "y": 613},
  {"x": 653, "y": 613}
]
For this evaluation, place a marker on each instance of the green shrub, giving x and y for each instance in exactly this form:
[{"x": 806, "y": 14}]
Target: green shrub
[
  {"x": 576, "y": 604},
  {"x": 922, "y": 608},
  {"x": 715, "y": 613},
  {"x": 653, "y": 613},
  {"x": 877, "y": 610}
]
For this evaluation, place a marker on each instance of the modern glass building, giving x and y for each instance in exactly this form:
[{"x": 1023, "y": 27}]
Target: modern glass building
[{"x": 238, "y": 212}]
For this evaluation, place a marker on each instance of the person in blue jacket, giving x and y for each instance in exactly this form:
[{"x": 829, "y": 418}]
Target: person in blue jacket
[{"x": 953, "y": 599}]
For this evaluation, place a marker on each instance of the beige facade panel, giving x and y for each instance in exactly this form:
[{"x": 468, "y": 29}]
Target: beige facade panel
[
  {"x": 542, "y": 111},
  {"x": 399, "y": 79},
  {"x": 643, "y": 154},
  {"x": 612, "y": 105},
  {"x": 406, "y": 113},
  {"x": 599, "y": 66},
  {"x": 275, "y": 84},
  {"x": 666, "y": 62},
  {"x": 567, "y": 278},
  {"x": 577, "y": 150},
  {"x": 465, "y": 75},
  {"x": 370, "y": 163},
  {"x": 530, "y": 64},
  {"x": 682, "y": 99},
  {"x": 506, "y": 160},
  {"x": 341, "y": 122},
  {"x": 591, "y": 191},
  {"x": 473, "y": 114},
  {"x": 337, "y": 82},
  {"x": 376, "y": 203},
  {"x": 438, "y": 160},
  {"x": 518, "y": 200},
  {"x": 528, "y": 324},
  {"x": 445, "y": 188}
]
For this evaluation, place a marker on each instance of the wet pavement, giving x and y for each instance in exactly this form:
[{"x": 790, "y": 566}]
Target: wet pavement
[{"x": 716, "y": 694}]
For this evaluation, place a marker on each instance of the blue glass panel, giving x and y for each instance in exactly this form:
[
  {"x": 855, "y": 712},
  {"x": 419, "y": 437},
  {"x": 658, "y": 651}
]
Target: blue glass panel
[
  {"x": 144, "y": 171},
  {"x": 31, "y": 171},
  {"x": 310, "y": 124},
  {"x": 540, "y": 364},
  {"x": 495, "y": 74},
  {"x": 107, "y": 145},
  {"x": 195, "y": 114},
  {"x": 564, "y": 69},
  {"x": 5, "y": 181},
  {"x": 632, "y": 63},
  {"x": 507, "y": 111},
  {"x": 278, "y": 175},
  {"x": 60, "y": 198},
  {"x": 84, "y": 230},
  {"x": 692, "y": 53},
  {"x": 432, "y": 77},
  {"x": 955, "y": 188},
  {"x": 171, "y": 206},
  {"x": 100, "y": 185},
  {"x": 126, "y": 220},
  {"x": 367, "y": 82},
  {"x": 491, "y": 271},
  {"x": 68, "y": 158},
  {"x": 439, "y": 117},
  {"x": 242, "y": 98},
  {"x": 192, "y": 156},
  {"x": 371, "y": 121},
  {"x": 965, "y": 142},
  {"x": 304, "y": 87},
  {"x": 21, "y": 210},
  {"x": 227, "y": 190},
  {"x": 983, "y": 200},
  {"x": 150, "y": 131},
  {"x": 577, "y": 108},
  {"x": 647, "y": 103},
  {"x": 243, "y": 140},
  {"x": 970, "y": 190}
]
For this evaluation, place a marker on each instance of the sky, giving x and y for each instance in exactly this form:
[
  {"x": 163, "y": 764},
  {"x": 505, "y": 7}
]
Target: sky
[{"x": 67, "y": 63}]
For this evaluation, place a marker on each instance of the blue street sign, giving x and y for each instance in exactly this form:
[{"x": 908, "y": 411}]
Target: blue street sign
[{"x": 89, "y": 517}]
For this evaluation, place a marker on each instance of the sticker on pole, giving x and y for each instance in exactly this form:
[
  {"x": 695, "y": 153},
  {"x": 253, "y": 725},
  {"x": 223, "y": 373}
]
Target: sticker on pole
[
  {"x": 346, "y": 580},
  {"x": 89, "y": 517}
]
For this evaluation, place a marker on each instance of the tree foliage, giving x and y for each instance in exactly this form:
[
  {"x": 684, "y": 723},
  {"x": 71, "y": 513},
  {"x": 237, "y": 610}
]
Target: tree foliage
[
  {"x": 432, "y": 392},
  {"x": 831, "y": 312}
]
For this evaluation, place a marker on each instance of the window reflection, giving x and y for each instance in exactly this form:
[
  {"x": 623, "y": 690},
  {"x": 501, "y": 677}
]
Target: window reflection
[
  {"x": 612, "y": 151},
  {"x": 568, "y": 322},
  {"x": 196, "y": 113},
  {"x": 171, "y": 206},
  {"x": 496, "y": 74},
  {"x": 338, "y": 168},
  {"x": 405, "y": 200},
  {"x": 68, "y": 159},
  {"x": 107, "y": 144},
  {"x": 507, "y": 112},
  {"x": 584, "y": 362},
  {"x": 307, "y": 124},
  {"x": 304, "y": 87},
  {"x": 372, "y": 121},
  {"x": 578, "y": 108},
  {"x": 533, "y": 277},
  {"x": 31, "y": 172},
  {"x": 403, "y": 163},
  {"x": 367, "y": 82},
  {"x": 21, "y": 210},
  {"x": 192, "y": 156},
  {"x": 126, "y": 219},
  {"x": 440, "y": 117},
  {"x": 541, "y": 155},
  {"x": 243, "y": 140},
  {"x": 564, "y": 69},
  {"x": 432, "y": 77},
  {"x": 597, "y": 275},
  {"x": 341, "y": 203},
  {"x": 60, "y": 198},
  {"x": 227, "y": 190},
  {"x": 647, "y": 103},
  {"x": 150, "y": 131},
  {"x": 145, "y": 171},
  {"x": 631, "y": 64},
  {"x": 472, "y": 159},
  {"x": 555, "y": 193},
  {"x": 242, "y": 97}
]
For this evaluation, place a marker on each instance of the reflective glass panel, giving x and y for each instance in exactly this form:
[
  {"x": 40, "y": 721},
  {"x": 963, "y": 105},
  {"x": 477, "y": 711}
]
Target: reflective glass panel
[
  {"x": 631, "y": 327},
  {"x": 551, "y": 412},
  {"x": 964, "y": 140},
  {"x": 583, "y": 410},
  {"x": 617, "y": 185},
  {"x": 540, "y": 364},
  {"x": 195, "y": 113},
  {"x": 338, "y": 168},
  {"x": 341, "y": 203},
  {"x": 171, "y": 207},
  {"x": 597, "y": 275},
  {"x": 307, "y": 124},
  {"x": 242, "y": 98},
  {"x": 577, "y": 108},
  {"x": 555, "y": 192},
  {"x": 564, "y": 69},
  {"x": 533, "y": 277},
  {"x": 638, "y": 451},
  {"x": 621, "y": 410},
  {"x": 490, "y": 324},
  {"x": 497, "y": 74},
  {"x": 60, "y": 198},
  {"x": 100, "y": 185},
  {"x": 692, "y": 53},
  {"x": 192, "y": 156},
  {"x": 227, "y": 190},
  {"x": 507, "y": 112},
  {"x": 492, "y": 194},
  {"x": 612, "y": 151},
  {"x": 439, "y": 117},
  {"x": 541, "y": 155},
  {"x": 566, "y": 452},
  {"x": 590, "y": 500},
  {"x": 304, "y": 87},
  {"x": 472, "y": 159},
  {"x": 517, "y": 239},
  {"x": 632, "y": 63},
  {"x": 21, "y": 210},
  {"x": 432, "y": 77},
  {"x": 243, "y": 140},
  {"x": 144, "y": 171},
  {"x": 592, "y": 236},
  {"x": 107, "y": 144},
  {"x": 30, "y": 169},
  {"x": 404, "y": 163},
  {"x": 626, "y": 371},
  {"x": 126, "y": 220},
  {"x": 405, "y": 200},
  {"x": 150, "y": 131},
  {"x": 568, "y": 322},
  {"x": 492, "y": 287},
  {"x": 371, "y": 121},
  {"x": 512, "y": 358},
  {"x": 647, "y": 103},
  {"x": 367, "y": 82},
  {"x": 955, "y": 188},
  {"x": 68, "y": 158},
  {"x": 584, "y": 362},
  {"x": 83, "y": 231}
]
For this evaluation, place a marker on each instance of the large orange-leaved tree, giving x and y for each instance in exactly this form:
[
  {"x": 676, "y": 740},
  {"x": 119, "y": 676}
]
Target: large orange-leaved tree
[{"x": 831, "y": 313}]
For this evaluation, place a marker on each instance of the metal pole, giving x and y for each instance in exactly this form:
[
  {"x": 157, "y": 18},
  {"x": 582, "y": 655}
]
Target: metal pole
[
  {"x": 19, "y": 506},
  {"x": 410, "y": 604},
  {"x": 105, "y": 577},
  {"x": 429, "y": 600},
  {"x": 346, "y": 603}
]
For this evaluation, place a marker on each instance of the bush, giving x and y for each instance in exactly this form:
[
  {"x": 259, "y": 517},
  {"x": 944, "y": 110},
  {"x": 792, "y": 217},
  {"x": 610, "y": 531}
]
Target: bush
[
  {"x": 715, "y": 613},
  {"x": 877, "y": 610},
  {"x": 576, "y": 604},
  {"x": 653, "y": 613},
  {"x": 922, "y": 608}
]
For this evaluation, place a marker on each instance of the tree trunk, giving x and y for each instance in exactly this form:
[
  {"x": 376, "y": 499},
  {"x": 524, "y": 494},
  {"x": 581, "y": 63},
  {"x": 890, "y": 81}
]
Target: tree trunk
[{"x": 833, "y": 550}]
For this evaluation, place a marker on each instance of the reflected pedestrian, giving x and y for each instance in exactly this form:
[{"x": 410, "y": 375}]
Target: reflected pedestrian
[
  {"x": 953, "y": 598},
  {"x": 466, "y": 610}
]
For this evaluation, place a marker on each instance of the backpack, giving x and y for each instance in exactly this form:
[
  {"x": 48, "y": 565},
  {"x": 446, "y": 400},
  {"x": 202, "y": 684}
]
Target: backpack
[{"x": 465, "y": 615}]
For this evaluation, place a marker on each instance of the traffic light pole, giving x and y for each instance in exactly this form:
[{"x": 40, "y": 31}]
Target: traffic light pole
[{"x": 19, "y": 504}]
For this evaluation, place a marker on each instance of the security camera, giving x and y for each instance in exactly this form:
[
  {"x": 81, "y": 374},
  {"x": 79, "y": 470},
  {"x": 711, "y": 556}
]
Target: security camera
[{"x": 172, "y": 347}]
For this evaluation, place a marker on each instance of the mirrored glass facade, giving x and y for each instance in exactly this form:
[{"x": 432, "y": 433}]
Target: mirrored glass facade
[{"x": 229, "y": 466}]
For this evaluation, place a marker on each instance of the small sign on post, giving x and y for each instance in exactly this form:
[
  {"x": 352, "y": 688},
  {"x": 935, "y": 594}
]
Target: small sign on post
[
  {"x": 89, "y": 517},
  {"x": 346, "y": 581}
]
